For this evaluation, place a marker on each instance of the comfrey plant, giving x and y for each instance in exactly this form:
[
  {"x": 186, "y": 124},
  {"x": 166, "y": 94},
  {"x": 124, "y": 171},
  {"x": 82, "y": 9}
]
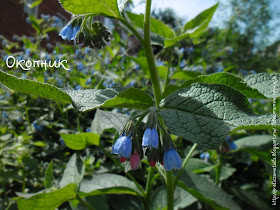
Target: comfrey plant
[
  {"x": 201, "y": 111},
  {"x": 158, "y": 150}
]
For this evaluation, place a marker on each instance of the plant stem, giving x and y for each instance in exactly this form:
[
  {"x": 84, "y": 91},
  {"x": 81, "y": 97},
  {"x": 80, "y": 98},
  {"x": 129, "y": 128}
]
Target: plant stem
[
  {"x": 218, "y": 170},
  {"x": 167, "y": 75},
  {"x": 133, "y": 30},
  {"x": 148, "y": 188},
  {"x": 170, "y": 190},
  {"x": 88, "y": 206},
  {"x": 185, "y": 163},
  {"x": 150, "y": 55}
]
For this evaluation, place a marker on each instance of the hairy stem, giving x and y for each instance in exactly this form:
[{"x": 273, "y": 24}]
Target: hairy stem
[
  {"x": 170, "y": 190},
  {"x": 148, "y": 188},
  {"x": 150, "y": 55}
]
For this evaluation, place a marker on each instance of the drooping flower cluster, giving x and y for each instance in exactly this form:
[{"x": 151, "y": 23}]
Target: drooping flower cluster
[
  {"x": 93, "y": 35},
  {"x": 158, "y": 150}
]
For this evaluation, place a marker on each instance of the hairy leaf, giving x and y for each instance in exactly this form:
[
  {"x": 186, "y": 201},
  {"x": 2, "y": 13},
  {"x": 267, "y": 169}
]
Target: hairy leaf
[
  {"x": 32, "y": 87},
  {"x": 265, "y": 83},
  {"x": 89, "y": 99},
  {"x": 206, "y": 191},
  {"x": 206, "y": 113},
  {"x": 220, "y": 78},
  {"x": 109, "y": 8},
  {"x": 83, "y": 100},
  {"x": 105, "y": 120},
  {"x": 74, "y": 171},
  {"x": 107, "y": 184}
]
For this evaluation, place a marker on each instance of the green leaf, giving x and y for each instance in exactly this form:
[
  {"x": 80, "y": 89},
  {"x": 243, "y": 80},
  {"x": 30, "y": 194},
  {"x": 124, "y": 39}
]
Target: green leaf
[
  {"x": 89, "y": 99},
  {"x": 101, "y": 184},
  {"x": 201, "y": 21},
  {"x": 226, "y": 172},
  {"x": 49, "y": 178},
  {"x": 48, "y": 201},
  {"x": 252, "y": 197},
  {"x": 265, "y": 83},
  {"x": 32, "y": 87},
  {"x": 74, "y": 171},
  {"x": 105, "y": 120},
  {"x": 36, "y": 3},
  {"x": 108, "y": 8},
  {"x": 83, "y": 100},
  {"x": 185, "y": 75},
  {"x": 206, "y": 113},
  {"x": 194, "y": 27},
  {"x": 262, "y": 142},
  {"x": 80, "y": 141},
  {"x": 162, "y": 70},
  {"x": 157, "y": 26},
  {"x": 206, "y": 191},
  {"x": 221, "y": 78},
  {"x": 198, "y": 166},
  {"x": 182, "y": 199}
]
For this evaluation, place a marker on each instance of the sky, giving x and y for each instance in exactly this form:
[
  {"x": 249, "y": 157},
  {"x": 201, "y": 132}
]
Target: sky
[{"x": 189, "y": 9}]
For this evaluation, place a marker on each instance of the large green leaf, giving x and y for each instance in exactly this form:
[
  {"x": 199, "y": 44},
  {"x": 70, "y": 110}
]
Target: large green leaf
[
  {"x": 182, "y": 199},
  {"x": 265, "y": 83},
  {"x": 194, "y": 27},
  {"x": 48, "y": 201},
  {"x": 157, "y": 26},
  {"x": 32, "y": 87},
  {"x": 80, "y": 141},
  {"x": 83, "y": 100},
  {"x": 49, "y": 178},
  {"x": 206, "y": 191},
  {"x": 109, "y": 8},
  {"x": 105, "y": 120},
  {"x": 220, "y": 78},
  {"x": 107, "y": 184},
  {"x": 206, "y": 113},
  {"x": 74, "y": 171},
  {"x": 89, "y": 99}
]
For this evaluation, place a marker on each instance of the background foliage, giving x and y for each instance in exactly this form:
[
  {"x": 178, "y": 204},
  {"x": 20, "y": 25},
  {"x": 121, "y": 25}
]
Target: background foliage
[{"x": 46, "y": 145}]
